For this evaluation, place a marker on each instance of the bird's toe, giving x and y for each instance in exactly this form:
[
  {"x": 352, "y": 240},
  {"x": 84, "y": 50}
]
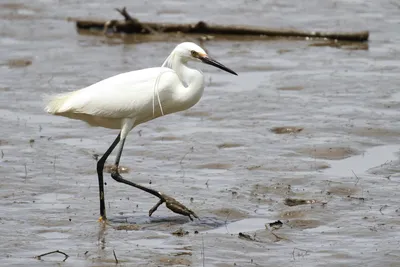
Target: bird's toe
[{"x": 178, "y": 207}]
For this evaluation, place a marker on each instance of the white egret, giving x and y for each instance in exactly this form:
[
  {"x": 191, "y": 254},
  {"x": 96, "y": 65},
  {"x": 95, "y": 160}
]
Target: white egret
[{"x": 129, "y": 99}]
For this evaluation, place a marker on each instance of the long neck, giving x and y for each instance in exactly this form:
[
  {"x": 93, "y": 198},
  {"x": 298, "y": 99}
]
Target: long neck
[
  {"x": 192, "y": 80},
  {"x": 175, "y": 62}
]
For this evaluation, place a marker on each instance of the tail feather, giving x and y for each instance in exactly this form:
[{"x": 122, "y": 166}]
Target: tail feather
[{"x": 56, "y": 104}]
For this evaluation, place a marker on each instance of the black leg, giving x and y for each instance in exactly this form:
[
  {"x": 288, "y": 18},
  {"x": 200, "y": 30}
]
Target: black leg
[
  {"x": 100, "y": 167},
  {"x": 170, "y": 202}
]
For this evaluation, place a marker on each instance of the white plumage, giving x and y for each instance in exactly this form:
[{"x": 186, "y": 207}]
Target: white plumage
[
  {"x": 128, "y": 99},
  {"x": 131, "y": 95}
]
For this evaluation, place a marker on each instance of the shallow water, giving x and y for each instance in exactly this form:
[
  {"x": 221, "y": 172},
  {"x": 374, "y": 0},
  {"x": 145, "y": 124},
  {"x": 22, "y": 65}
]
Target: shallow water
[{"x": 221, "y": 157}]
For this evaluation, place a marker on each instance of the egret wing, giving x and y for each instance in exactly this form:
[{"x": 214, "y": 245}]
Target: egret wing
[{"x": 120, "y": 96}]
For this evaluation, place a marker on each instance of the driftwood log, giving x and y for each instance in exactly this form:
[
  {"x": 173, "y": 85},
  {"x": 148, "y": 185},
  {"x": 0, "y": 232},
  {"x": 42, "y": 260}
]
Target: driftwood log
[{"x": 133, "y": 26}]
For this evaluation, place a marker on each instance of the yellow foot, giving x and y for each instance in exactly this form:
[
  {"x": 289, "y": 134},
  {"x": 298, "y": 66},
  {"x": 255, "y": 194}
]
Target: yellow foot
[{"x": 102, "y": 219}]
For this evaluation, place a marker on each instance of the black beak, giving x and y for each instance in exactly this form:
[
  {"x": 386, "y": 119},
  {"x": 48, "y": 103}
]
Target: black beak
[{"x": 215, "y": 63}]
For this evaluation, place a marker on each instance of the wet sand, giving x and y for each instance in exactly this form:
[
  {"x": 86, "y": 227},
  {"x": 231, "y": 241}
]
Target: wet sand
[{"x": 238, "y": 158}]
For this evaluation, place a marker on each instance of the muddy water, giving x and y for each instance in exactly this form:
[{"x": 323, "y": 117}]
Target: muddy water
[{"x": 222, "y": 157}]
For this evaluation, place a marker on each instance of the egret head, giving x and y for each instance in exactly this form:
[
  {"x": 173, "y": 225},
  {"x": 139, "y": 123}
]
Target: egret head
[{"x": 192, "y": 52}]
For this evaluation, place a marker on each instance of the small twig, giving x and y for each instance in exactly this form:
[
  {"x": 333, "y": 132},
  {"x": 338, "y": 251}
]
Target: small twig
[
  {"x": 54, "y": 164},
  {"x": 115, "y": 257},
  {"x": 202, "y": 248},
  {"x": 248, "y": 237},
  {"x": 275, "y": 226},
  {"x": 358, "y": 179},
  {"x": 181, "y": 163},
  {"x": 39, "y": 257},
  {"x": 278, "y": 238},
  {"x": 2, "y": 154},
  {"x": 383, "y": 207},
  {"x": 227, "y": 216},
  {"x": 128, "y": 17},
  {"x": 26, "y": 172},
  {"x": 226, "y": 222}
]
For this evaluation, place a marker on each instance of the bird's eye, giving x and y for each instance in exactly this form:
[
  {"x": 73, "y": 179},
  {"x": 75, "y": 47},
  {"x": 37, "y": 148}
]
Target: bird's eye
[{"x": 194, "y": 54}]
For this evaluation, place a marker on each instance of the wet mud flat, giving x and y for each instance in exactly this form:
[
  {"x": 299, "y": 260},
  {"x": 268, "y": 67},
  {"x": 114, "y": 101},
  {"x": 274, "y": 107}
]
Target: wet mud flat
[{"x": 294, "y": 162}]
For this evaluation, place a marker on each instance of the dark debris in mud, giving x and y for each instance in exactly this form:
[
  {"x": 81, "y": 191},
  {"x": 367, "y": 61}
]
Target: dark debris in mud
[
  {"x": 247, "y": 237},
  {"x": 286, "y": 129},
  {"x": 180, "y": 232},
  {"x": 356, "y": 198},
  {"x": 185, "y": 253},
  {"x": 128, "y": 227},
  {"x": 295, "y": 201},
  {"x": 19, "y": 63},
  {"x": 275, "y": 225},
  {"x": 115, "y": 257},
  {"x": 229, "y": 145},
  {"x": 253, "y": 167}
]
